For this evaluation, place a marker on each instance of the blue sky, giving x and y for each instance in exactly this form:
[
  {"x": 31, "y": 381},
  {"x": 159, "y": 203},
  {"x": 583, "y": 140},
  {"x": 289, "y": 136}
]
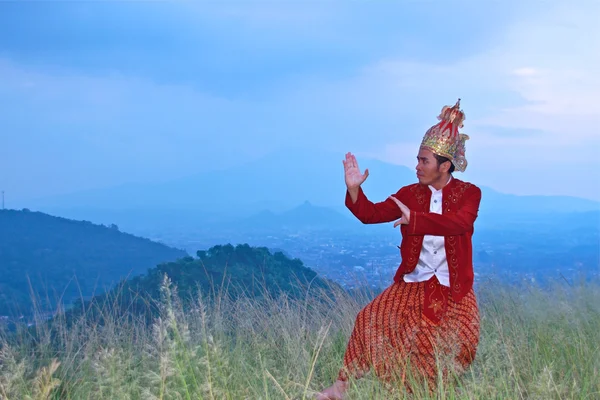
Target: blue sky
[{"x": 96, "y": 94}]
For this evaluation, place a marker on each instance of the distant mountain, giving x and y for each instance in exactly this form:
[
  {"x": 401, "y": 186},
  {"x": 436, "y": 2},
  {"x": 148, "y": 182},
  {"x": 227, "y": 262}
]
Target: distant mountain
[
  {"x": 277, "y": 182},
  {"x": 303, "y": 216},
  {"x": 503, "y": 203},
  {"x": 62, "y": 258}
]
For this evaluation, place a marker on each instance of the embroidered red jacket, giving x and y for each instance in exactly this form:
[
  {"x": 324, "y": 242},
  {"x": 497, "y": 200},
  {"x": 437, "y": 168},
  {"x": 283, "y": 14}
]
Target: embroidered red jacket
[{"x": 460, "y": 206}]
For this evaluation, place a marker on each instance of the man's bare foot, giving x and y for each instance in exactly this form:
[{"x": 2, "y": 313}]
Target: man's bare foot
[{"x": 333, "y": 392}]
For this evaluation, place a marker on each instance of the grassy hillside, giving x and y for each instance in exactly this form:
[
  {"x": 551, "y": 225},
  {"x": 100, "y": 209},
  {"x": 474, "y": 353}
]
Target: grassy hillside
[
  {"x": 66, "y": 259},
  {"x": 534, "y": 344}
]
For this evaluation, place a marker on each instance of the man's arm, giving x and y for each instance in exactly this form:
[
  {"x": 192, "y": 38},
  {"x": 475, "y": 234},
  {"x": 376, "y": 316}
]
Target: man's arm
[
  {"x": 368, "y": 212},
  {"x": 448, "y": 224}
]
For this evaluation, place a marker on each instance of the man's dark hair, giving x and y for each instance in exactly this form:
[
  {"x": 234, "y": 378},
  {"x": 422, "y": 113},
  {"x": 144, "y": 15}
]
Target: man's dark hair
[{"x": 441, "y": 159}]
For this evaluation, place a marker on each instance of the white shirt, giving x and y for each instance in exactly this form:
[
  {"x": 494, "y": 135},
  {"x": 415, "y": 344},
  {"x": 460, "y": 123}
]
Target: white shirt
[{"x": 432, "y": 260}]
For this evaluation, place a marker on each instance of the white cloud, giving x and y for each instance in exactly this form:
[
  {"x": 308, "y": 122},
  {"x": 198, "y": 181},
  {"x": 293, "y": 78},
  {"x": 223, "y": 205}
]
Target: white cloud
[
  {"x": 525, "y": 71},
  {"x": 551, "y": 63},
  {"x": 556, "y": 69}
]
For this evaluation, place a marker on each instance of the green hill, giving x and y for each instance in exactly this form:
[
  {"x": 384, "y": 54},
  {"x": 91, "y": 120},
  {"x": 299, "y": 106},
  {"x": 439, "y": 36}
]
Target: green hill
[
  {"x": 65, "y": 259},
  {"x": 222, "y": 270}
]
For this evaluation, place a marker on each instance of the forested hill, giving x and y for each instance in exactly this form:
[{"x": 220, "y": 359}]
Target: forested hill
[
  {"x": 222, "y": 270},
  {"x": 67, "y": 258}
]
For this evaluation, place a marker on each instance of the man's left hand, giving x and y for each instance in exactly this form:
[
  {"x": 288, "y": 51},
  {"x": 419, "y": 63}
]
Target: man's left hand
[{"x": 405, "y": 212}]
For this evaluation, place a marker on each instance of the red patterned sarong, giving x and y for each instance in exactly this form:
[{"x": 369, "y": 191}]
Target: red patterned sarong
[{"x": 392, "y": 336}]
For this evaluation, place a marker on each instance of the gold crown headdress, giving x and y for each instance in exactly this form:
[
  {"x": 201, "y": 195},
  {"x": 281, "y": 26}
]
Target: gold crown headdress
[{"x": 444, "y": 139}]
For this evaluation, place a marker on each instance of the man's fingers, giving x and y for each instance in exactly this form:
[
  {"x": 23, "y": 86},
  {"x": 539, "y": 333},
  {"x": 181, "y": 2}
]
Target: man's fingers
[
  {"x": 402, "y": 221},
  {"x": 348, "y": 160},
  {"x": 398, "y": 202},
  {"x": 399, "y": 222}
]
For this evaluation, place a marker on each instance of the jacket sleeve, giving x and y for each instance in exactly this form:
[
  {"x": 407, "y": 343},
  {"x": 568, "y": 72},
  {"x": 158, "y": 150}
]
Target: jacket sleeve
[
  {"x": 450, "y": 223},
  {"x": 368, "y": 212}
]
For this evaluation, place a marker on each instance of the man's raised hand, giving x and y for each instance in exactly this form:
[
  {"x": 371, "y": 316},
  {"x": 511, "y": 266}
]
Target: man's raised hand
[
  {"x": 405, "y": 219},
  {"x": 354, "y": 178}
]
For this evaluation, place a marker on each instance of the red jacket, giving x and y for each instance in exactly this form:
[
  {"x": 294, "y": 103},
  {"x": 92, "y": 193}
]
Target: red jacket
[{"x": 460, "y": 205}]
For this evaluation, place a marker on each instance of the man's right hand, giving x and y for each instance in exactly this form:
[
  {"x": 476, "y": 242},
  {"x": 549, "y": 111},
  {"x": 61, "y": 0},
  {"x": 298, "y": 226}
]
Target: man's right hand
[{"x": 354, "y": 178}]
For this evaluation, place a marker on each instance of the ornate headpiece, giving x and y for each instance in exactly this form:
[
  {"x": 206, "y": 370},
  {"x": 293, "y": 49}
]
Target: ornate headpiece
[{"x": 444, "y": 139}]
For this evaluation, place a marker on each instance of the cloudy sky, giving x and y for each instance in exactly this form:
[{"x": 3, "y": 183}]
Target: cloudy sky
[{"x": 95, "y": 94}]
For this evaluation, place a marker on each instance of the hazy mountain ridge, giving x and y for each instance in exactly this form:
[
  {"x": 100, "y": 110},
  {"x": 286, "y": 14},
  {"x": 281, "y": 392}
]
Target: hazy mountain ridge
[
  {"x": 279, "y": 183},
  {"x": 304, "y": 216},
  {"x": 67, "y": 258}
]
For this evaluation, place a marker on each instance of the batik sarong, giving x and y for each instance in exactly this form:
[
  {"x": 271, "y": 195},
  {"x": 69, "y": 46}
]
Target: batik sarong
[{"x": 393, "y": 336}]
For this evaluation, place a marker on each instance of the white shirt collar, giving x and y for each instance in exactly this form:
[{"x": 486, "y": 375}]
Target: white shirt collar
[{"x": 434, "y": 190}]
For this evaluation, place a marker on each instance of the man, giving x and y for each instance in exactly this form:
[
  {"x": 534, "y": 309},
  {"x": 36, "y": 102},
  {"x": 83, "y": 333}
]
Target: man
[{"x": 427, "y": 322}]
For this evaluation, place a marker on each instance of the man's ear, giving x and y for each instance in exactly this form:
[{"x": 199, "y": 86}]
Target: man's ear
[
  {"x": 448, "y": 165},
  {"x": 445, "y": 166}
]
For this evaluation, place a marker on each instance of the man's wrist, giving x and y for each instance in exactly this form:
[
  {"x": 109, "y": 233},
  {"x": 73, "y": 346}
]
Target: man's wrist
[{"x": 354, "y": 193}]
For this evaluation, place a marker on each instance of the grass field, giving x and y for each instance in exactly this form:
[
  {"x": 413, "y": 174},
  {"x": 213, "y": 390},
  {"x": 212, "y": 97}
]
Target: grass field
[{"x": 535, "y": 344}]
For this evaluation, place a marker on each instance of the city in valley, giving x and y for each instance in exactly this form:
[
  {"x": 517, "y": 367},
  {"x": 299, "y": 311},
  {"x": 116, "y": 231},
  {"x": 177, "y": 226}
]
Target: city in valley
[{"x": 369, "y": 255}]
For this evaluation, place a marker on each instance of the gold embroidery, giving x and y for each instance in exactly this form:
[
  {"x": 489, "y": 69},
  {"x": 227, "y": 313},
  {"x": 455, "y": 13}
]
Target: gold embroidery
[
  {"x": 436, "y": 305},
  {"x": 456, "y": 193},
  {"x": 457, "y": 287},
  {"x": 452, "y": 261},
  {"x": 415, "y": 249},
  {"x": 419, "y": 193}
]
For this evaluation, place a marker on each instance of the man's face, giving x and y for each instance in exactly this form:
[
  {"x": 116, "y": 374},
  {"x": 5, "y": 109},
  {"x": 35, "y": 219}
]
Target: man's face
[{"x": 428, "y": 171}]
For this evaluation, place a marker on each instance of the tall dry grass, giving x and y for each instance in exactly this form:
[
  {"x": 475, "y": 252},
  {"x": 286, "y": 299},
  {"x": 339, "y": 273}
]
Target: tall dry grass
[{"x": 535, "y": 344}]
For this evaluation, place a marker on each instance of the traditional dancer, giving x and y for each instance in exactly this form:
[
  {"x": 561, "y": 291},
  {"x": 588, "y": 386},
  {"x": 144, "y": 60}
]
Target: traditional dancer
[{"x": 426, "y": 324}]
